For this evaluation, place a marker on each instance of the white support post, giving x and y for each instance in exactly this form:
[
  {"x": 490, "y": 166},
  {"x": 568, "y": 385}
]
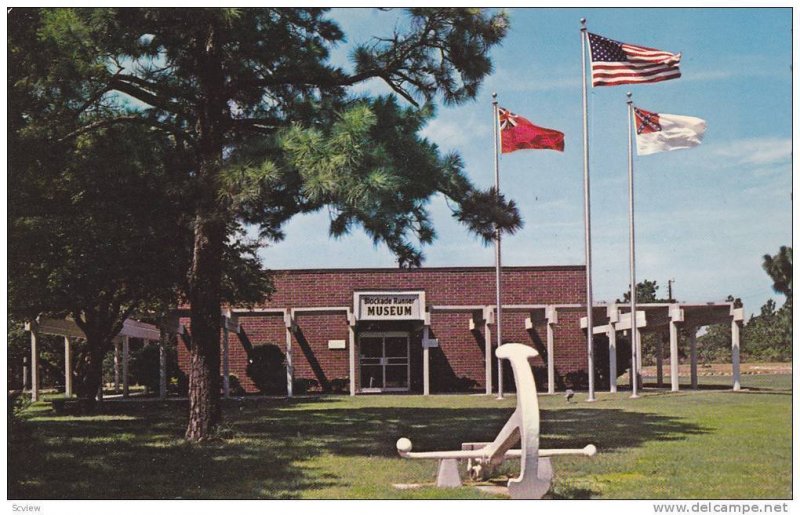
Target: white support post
[
  {"x": 162, "y": 364},
  {"x": 25, "y": 377},
  {"x": 116, "y": 366},
  {"x": 612, "y": 358},
  {"x": 693, "y": 355},
  {"x": 67, "y": 368},
  {"x": 735, "y": 344},
  {"x": 487, "y": 316},
  {"x": 288, "y": 321},
  {"x": 351, "y": 327},
  {"x": 499, "y": 377},
  {"x": 659, "y": 359},
  {"x": 34, "y": 363},
  {"x": 673, "y": 356},
  {"x": 676, "y": 315},
  {"x": 426, "y": 361},
  {"x": 639, "y": 357},
  {"x": 552, "y": 319},
  {"x": 226, "y": 372},
  {"x": 126, "y": 354}
]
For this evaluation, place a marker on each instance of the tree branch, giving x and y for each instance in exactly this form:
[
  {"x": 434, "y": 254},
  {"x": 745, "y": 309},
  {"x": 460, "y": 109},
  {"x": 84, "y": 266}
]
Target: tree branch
[
  {"x": 149, "y": 98},
  {"x": 107, "y": 122}
]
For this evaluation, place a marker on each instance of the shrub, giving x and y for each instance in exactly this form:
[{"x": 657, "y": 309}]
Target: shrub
[
  {"x": 145, "y": 367},
  {"x": 18, "y": 429},
  {"x": 234, "y": 385},
  {"x": 267, "y": 369},
  {"x": 304, "y": 385},
  {"x": 340, "y": 385}
]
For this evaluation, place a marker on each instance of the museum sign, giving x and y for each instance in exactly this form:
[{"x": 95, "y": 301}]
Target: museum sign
[{"x": 396, "y": 305}]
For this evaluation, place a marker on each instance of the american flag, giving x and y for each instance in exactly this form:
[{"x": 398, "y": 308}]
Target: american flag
[{"x": 615, "y": 63}]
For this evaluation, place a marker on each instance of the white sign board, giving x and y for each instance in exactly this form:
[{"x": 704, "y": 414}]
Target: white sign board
[
  {"x": 399, "y": 305},
  {"x": 337, "y": 344}
]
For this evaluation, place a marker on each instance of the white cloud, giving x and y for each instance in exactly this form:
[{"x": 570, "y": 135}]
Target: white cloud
[
  {"x": 530, "y": 82},
  {"x": 753, "y": 152},
  {"x": 704, "y": 75},
  {"x": 453, "y": 134}
]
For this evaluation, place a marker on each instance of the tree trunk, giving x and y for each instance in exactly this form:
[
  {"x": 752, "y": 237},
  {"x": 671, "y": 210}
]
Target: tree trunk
[
  {"x": 209, "y": 240},
  {"x": 204, "y": 407},
  {"x": 100, "y": 324},
  {"x": 90, "y": 371}
]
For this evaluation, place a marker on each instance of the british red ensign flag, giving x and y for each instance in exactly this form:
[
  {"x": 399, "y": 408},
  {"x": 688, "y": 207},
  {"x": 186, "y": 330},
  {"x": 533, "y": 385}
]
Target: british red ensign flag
[
  {"x": 615, "y": 63},
  {"x": 518, "y": 133}
]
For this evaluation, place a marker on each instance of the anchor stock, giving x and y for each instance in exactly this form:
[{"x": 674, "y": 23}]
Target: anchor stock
[{"x": 522, "y": 426}]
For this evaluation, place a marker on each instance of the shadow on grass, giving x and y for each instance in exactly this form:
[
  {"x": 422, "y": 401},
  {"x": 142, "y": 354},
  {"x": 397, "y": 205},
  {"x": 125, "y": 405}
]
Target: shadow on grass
[{"x": 135, "y": 450}]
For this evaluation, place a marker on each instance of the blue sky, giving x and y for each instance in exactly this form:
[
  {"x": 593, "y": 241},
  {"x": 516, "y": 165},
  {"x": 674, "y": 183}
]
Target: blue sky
[{"x": 704, "y": 216}]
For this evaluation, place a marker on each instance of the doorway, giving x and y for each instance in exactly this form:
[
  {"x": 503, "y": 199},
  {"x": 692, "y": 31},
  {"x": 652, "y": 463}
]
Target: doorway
[{"x": 384, "y": 362}]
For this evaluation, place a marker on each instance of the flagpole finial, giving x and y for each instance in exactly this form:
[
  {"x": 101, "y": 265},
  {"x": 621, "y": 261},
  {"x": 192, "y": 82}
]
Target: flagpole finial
[
  {"x": 494, "y": 97},
  {"x": 629, "y": 95},
  {"x": 583, "y": 23}
]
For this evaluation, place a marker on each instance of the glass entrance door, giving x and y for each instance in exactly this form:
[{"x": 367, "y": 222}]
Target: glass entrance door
[{"x": 384, "y": 361}]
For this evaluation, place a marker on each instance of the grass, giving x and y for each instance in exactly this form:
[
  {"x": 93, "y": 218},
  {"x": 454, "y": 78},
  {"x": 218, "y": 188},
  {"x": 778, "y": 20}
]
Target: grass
[{"x": 707, "y": 444}]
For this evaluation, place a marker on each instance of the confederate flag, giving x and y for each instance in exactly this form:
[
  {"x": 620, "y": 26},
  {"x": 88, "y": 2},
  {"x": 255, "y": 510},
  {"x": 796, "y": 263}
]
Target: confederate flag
[{"x": 517, "y": 133}]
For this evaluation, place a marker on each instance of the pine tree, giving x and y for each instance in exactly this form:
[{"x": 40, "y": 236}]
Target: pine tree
[{"x": 274, "y": 130}]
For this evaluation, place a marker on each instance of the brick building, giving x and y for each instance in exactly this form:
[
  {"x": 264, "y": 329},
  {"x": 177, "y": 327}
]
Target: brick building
[{"x": 420, "y": 330}]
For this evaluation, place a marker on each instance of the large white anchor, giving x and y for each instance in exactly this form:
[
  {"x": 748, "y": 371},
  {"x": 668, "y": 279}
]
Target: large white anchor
[{"x": 536, "y": 472}]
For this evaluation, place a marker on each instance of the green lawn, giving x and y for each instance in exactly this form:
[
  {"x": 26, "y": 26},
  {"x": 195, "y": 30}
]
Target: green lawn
[{"x": 707, "y": 444}]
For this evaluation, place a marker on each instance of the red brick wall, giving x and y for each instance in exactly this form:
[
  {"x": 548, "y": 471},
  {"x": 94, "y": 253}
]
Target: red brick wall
[{"x": 458, "y": 363}]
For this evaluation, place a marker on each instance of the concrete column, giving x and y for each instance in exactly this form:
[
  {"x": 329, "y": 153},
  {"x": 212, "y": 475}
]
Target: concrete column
[
  {"x": 226, "y": 371},
  {"x": 426, "y": 362},
  {"x": 352, "y": 352},
  {"x": 660, "y": 360},
  {"x": 639, "y": 356},
  {"x": 289, "y": 367},
  {"x": 693, "y": 355},
  {"x": 499, "y": 378},
  {"x": 26, "y": 385},
  {"x": 551, "y": 366},
  {"x": 735, "y": 344},
  {"x": 612, "y": 358},
  {"x": 116, "y": 366},
  {"x": 67, "y": 368},
  {"x": 34, "y": 363},
  {"x": 126, "y": 354},
  {"x": 162, "y": 365},
  {"x": 487, "y": 315},
  {"x": 673, "y": 356}
]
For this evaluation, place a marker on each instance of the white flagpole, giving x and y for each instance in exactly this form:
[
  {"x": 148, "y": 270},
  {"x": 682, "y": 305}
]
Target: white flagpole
[
  {"x": 497, "y": 261},
  {"x": 587, "y": 223},
  {"x": 634, "y": 330}
]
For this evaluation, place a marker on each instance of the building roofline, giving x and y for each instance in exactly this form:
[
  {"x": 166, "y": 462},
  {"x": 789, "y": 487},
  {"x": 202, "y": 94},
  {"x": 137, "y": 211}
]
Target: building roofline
[{"x": 545, "y": 268}]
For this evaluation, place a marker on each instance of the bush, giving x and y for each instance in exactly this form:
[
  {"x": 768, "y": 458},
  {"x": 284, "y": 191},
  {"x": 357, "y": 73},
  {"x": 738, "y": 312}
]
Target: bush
[
  {"x": 267, "y": 369},
  {"x": 304, "y": 385},
  {"x": 234, "y": 385},
  {"x": 145, "y": 367},
  {"x": 340, "y": 385},
  {"x": 18, "y": 429}
]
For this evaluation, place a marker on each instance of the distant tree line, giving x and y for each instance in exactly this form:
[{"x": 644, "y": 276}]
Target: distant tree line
[{"x": 766, "y": 336}]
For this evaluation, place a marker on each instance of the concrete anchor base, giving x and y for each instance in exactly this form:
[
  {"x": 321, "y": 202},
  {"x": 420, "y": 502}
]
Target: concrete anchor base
[{"x": 448, "y": 476}]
